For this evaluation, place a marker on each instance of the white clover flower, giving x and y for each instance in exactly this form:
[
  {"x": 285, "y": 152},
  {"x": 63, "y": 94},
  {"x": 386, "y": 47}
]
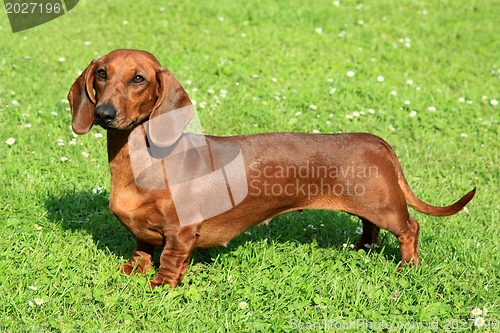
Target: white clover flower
[
  {"x": 315, "y": 131},
  {"x": 394, "y": 93},
  {"x": 211, "y": 91},
  {"x": 33, "y": 288},
  {"x": 243, "y": 35},
  {"x": 125, "y": 22},
  {"x": 27, "y": 125},
  {"x": 371, "y": 111},
  {"x": 380, "y": 78},
  {"x": 342, "y": 34},
  {"x": 361, "y": 22},
  {"x": 53, "y": 113},
  {"x": 355, "y": 114},
  {"x": 329, "y": 80},
  {"x": 277, "y": 98},
  {"x": 479, "y": 322},
  {"x": 413, "y": 114},
  {"x": 220, "y": 18},
  {"x": 85, "y": 154},
  {"x": 349, "y": 116},
  {"x": 359, "y": 6},
  {"x": 332, "y": 91},
  {"x": 431, "y": 108},
  {"x": 494, "y": 102},
  {"x": 407, "y": 102},
  {"x": 60, "y": 142},
  {"x": 61, "y": 59},
  {"x": 15, "y": 103},
  {"x": 98, "y": 135},
  {"x": 319, "y": 30},
  {"x": 350, "y": 74},
  {"x": 162, "y": 9},
  {"x": 274, "y": 79},
  {"x": 336, "y": 3},
  {"x": 463, "y": 135},
  {"x": 409, "y": 82},
  {"x": 297, "y": 114},
  {"x": 461, "y": 99},
  {"x": 476, "y": 312},
  {"x": 313, "y": 107},
  {"x": 10, "y": 141},
  {"x": 87, "y": 43},
  {"x": 203, "y": 105}
]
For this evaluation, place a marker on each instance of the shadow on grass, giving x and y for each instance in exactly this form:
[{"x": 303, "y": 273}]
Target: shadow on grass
[{"x": 89, "y": 212}]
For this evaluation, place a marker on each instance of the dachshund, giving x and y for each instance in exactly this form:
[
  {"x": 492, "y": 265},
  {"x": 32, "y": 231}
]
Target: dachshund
[{"x": 181, "y": 191}]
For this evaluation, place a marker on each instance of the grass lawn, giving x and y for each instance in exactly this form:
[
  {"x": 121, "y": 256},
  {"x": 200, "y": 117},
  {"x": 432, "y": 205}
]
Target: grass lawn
[{"x": 424, "y": 75}]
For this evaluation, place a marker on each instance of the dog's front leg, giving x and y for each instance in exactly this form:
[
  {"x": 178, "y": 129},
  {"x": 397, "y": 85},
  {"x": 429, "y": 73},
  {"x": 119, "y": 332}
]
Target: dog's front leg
[
  {"x": 176, "y": 254},
  {"x": 141, "y": 260}
]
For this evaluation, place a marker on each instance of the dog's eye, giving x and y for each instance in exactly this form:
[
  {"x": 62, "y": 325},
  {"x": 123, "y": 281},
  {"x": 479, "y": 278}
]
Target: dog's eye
[
  {"x": 138, "y": 79},
  {"x": 101, "y": 74}
]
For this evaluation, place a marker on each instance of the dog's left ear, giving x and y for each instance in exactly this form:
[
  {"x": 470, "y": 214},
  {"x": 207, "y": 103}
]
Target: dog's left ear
[
  {"x": 82, "y": 100},
  {"x": 171, "y": 113}
]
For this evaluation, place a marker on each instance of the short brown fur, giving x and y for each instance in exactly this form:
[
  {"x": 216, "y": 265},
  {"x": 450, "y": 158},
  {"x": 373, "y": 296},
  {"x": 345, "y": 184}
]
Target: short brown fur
[{"x": 150, "y": 214}]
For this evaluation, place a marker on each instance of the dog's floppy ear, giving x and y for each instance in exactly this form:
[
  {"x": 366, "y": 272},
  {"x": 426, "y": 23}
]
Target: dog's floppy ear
[
  {"x": 82, "y": 100},
  {"x": 172, "y": 111}
]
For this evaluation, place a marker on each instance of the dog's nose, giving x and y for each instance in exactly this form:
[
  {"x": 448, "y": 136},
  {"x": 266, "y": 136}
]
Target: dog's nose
[{"x": 104, "y": 114}]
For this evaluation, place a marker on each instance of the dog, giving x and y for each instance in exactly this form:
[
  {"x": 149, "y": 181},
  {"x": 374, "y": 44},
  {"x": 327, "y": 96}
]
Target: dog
[{"x": 182, "y": 191}]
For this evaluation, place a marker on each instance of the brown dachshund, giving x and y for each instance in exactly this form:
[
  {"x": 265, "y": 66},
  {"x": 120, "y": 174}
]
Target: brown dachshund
[{"x": 182, "y": 191}]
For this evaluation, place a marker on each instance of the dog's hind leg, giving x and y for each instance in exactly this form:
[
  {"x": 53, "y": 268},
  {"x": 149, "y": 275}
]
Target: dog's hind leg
[
  {"x": 408, "y": 241},
  {"x": 400, "y": 224},
  {"x": 368, "y": 237}
]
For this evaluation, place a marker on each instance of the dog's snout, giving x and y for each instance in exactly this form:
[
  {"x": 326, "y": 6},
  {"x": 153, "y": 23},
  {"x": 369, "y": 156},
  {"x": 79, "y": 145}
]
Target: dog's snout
[{"x": 104, "y": 114}]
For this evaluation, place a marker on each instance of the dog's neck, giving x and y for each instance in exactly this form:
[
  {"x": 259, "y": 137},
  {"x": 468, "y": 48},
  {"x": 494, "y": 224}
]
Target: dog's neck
[{"x": 119, "y": 159}]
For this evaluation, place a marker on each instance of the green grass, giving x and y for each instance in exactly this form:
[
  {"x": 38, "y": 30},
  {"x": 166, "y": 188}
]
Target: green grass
[{"x": 295, "y": 274}]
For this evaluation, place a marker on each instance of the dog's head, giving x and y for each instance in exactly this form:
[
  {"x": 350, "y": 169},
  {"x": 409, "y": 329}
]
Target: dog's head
[{"x": 125, "y": 88}]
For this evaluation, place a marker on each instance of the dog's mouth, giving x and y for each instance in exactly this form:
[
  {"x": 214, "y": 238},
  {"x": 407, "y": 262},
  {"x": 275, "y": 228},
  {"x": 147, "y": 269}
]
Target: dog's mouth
[{"x": 118, "y": 125}]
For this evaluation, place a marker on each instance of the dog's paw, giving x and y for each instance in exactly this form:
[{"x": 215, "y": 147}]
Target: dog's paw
[
  {"x": 126, "y": 268},
  {"x": 157, "y": 282},
  {"x": 135, "y": 266}
]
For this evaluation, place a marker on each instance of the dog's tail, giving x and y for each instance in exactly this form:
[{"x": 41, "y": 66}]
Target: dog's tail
[{"x": 413, "y": 201}]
